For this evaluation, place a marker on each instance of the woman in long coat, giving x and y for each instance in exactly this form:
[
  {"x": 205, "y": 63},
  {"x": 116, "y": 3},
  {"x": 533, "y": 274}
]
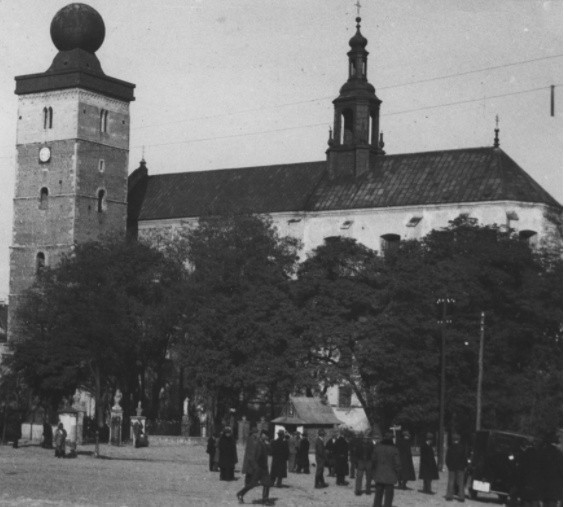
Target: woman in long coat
[
  {"x": 227, "y": 455},
  {"x": 407, "y": 470},
  {"x": 428, "y": 470},
  {"x": 280, "y": 452}
]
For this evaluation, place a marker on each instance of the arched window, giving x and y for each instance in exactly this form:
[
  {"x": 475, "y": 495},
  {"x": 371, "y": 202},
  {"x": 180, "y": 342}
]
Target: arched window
[
  {"x": 39, "y": 261},
  {"x": 47, "y": 118},
  {"x": 389, "y": 243},
  {"x": 43, "y": 198},
  {"x": 347, "y": 135},
  {"x": 103, "y": 120},
  {"x": 101, "y": 200}
]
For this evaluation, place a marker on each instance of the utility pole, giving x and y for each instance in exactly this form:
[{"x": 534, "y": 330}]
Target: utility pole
[{"x": 480, "y": 372}]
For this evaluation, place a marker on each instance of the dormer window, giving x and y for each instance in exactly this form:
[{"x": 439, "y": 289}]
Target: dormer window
[
  {"x": 294, "y": 221},
  {"x": 347, "y": 224},
  {"x": 414, "y": 221}
]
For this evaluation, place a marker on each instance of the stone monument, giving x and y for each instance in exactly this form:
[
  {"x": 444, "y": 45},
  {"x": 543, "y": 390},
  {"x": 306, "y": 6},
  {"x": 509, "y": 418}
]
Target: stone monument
[
  {"x": 185, "y": 425},
  {"x": 203, "y": 417},
  {"x": 116, "y": 419},
  {"x": 135, "y": 421}
]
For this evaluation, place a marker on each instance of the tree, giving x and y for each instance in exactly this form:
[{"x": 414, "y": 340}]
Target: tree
[
  {"x": 99, "y": 320},
  {"x": 370, "y": 321},
  {"x": 239, "y": 326}
]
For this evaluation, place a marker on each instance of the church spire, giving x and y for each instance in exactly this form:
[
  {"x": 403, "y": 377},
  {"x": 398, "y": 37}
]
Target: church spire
[{"x": 356, "y": 125}]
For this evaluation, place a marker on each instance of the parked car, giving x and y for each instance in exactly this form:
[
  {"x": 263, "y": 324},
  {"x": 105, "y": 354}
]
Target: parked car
[{"x": 492, "y": 462}]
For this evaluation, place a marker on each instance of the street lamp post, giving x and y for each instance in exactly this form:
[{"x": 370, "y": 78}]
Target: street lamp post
[
  {"x": 480, "y": 372},
  {"x": 443, "y": 305}
]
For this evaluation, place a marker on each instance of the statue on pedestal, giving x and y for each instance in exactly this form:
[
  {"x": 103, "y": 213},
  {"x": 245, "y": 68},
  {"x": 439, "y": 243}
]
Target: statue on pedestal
[
  {"x": 185, "y": 425},
  {"x": 139, "y": 410}
]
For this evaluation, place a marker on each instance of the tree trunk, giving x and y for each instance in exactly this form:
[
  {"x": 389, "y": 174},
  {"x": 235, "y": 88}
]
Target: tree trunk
[{"x": 99, "y": 413}]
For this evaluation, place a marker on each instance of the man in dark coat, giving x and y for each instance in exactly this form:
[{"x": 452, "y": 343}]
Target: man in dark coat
[
  {"x": 256, "y": 464},
  {"x": 456, "y": 462},
  {"x": 363, "y": 456},
  {"x": 428, "y": 466},
  {"x": 529, "y": 476},
  {"x": 248, "y": 458},
  {"x": 407, "y": 470},
  {"x": 227, "y": 455},
  {"x": 320, "y": 459},
  {"x": 302, "y": 458},
  {"x": 330, "y": 459},
  {"x": 551, "y": 471},
  {"x": 280, "y": 452},
  {"x": 341, "y": 453},
  {"x": 386, "y": 468},
  {"x": 210, "y": 449},
  {"x": 355, "y": 442}
]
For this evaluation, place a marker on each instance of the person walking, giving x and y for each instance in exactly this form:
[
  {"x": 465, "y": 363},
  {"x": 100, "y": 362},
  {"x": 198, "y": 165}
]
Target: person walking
[
  {"x": 386, "y": 468},
  {"x": 248, "y": 457},
  {"x": 456, "y": 463},
  {"x": 227, "y": 455},
  {"x": 428, "y": 470},
  {"x": 257, "y": 468},
  {"x": 320, "y": 460},
  {"x": 341, "y": 453},
  {"x": 280, "y": 453},
  {"x": 293, "y": 443},
  {"x": 407, "y": 470},
  {"x": 60, "y": 439},
  {"x": 363, "y": 457}
]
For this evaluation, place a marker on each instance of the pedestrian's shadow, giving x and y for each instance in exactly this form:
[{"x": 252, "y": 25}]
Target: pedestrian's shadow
[{"x": 271, "y": 501}]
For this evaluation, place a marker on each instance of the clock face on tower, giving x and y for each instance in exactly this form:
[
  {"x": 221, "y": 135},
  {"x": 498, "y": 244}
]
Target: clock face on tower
[{"x": 44, "y": 154}]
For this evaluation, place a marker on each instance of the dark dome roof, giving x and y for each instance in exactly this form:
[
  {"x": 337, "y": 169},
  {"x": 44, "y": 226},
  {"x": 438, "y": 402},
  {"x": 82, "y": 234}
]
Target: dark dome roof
[
  {"x": 358, "y": 41},
  {"x": 78, "y": 26}
]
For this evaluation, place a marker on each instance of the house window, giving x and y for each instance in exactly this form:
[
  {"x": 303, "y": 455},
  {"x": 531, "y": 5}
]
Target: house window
[
  {"x": 101, "y": 165},
  {"x": 529, "y": 237},
  {"x": 39, "y": 262},
  {"x": 389, "y": 242},
  {"x": 101, "y": 200},
  {"x": 47, "y": 118},
  {"x": 346, "y": 224},
  {"x": 345, "y": 396},
  {"x": 414, "y": 221},
  {"x": 103, "y": 120},
  {"x": 43, "y": 198}
]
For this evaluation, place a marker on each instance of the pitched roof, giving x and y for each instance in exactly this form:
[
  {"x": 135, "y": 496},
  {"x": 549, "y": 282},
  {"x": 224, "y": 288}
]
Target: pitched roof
[
  {"x": 415, "y": 179},
  {"x": 309, "y": 411}
]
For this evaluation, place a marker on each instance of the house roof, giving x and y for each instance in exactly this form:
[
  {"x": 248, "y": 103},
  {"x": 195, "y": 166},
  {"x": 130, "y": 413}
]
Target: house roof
[
  {"x": 308, "y": 411},
  {"x": 414, "y": 179}
]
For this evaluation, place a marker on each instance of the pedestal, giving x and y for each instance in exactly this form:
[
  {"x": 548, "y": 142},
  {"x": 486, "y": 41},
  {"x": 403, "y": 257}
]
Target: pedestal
[
  {"x": 115, "y": 426},
  {"x": 137, "y": 419},
  {"x": 185, "y": 426}
]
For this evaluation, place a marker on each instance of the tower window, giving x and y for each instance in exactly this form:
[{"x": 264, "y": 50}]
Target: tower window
[
  {"x": 43, "y": 198},
  {"x": 103, "y": 120},
  {"x": 389, "y": 243},
  {"x": 47, "y": 118},
  {"x": 347, "y": 135},
  {"x": 101, "y": 165},
  {"x": 101, "y": 200},
  {"x": 39, "y": 262}
]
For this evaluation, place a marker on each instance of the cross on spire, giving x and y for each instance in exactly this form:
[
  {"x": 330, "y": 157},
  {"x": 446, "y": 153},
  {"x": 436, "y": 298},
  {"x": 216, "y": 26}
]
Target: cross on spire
[
  {"x": 496, "y": 138},
  {"x": 358, "y": 6}
]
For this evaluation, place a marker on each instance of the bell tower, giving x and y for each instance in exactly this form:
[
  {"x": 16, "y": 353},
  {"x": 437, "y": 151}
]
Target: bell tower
[
  {"x": 354, "y": 139},
  {"x": 72, "y": 148}
]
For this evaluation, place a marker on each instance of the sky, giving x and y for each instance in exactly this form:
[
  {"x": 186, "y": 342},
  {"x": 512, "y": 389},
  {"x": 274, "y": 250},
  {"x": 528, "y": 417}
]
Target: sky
[{"x": 238, "y": 83}]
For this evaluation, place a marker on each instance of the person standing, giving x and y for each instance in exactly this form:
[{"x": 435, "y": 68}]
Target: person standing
[
  {"x": 551, "y": 472},
  {"x": 386, "y": 468},
  {"x": 303, "y": 454},
  {"x": 363, "y": 457},
  {"x": 407, "y": 470},
  {"x": 243, "y": 430},
  {"x": 60, "y": 439},
  {"x": 330, "y": 460},
  {"x": 341, "y": 452},
  {"x": 280, "y": 453},
  {"x": 293, "y": 443},
  {"x": 428, "y": 470},
  {"x": 227, "y": 455},
  {"x": 456, "y": 463},
  {"x": 210, "y": 449},
  {"x": 257, "y": 467},
  {"x": 320, "y": 460},
  {"x": 356, "y": 441}
]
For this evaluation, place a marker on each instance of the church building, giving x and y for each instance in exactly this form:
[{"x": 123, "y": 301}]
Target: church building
[{"x": 72, "y": 162}]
